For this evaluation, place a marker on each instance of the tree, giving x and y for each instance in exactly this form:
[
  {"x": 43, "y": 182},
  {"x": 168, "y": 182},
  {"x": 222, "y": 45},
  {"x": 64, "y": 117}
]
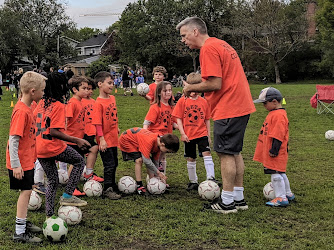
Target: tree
[
  {"x": 100, "y": 65},
  {"x": 81, "y": 34}
]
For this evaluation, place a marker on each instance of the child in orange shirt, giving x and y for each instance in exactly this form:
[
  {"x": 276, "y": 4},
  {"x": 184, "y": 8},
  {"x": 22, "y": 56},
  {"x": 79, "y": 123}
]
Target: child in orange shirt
[
  {"x": 106, "y": 121},
  {"x": 21, "y": 153},
  {"x": 50, "y": 143},
  {"x": 193, "y": 118},
  {"x": 143, "y": 146},
  {"x": 159, "y": 74},
  {"x": 272, "y": 146}
]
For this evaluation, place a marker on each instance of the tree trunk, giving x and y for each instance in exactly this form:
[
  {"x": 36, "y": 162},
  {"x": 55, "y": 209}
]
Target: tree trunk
[{"x": 278, "y": 78}]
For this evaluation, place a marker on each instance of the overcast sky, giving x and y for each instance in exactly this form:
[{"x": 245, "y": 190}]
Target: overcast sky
[{"x": 75, "y": 8}]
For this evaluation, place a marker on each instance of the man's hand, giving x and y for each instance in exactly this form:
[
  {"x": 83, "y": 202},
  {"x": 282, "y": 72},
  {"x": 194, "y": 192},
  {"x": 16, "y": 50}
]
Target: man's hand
[{"x": 18, "y": 173}]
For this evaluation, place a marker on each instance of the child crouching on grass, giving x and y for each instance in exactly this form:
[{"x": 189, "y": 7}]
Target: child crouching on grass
[
  {"x": 21, "y": 153},
  {"x": 272, "y": 146}
]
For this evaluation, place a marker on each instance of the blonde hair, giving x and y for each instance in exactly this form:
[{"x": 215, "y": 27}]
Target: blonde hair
[
  {"x": 194, "y": 78},
  {"x": 31, "y": 80},
  {"x": 160, "y": 69}
]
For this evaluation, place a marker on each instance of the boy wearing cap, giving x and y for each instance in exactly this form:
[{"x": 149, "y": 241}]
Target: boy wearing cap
[{"x": 272, "y": 146}]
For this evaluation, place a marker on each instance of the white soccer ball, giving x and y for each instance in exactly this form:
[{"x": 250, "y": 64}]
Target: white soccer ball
[
  {"x": 35, "y": 201},
  {"x": 70, "y": 214},
  {"x": 156, "y": 186},
  {"x": 82, "y": 178},
  {"x": 127, "y": 185},
  {"x": 268, "y": 191},
  {"x": 208, "y": 190},
  {"x": 55, "y": 229},
  {"x": 143, "y": 89},
  {"x": 93, "y": 188},
  {"x": 63, "y": 176},
  {"x": 329, "y": 135}
]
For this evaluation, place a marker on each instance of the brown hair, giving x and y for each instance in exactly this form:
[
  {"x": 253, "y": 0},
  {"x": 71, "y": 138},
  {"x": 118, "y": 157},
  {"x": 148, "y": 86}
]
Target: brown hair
[
  {"x": 171, "y": 142},
  {"x": 194, "y": 78},
  {"x": 101, "y": 76},
  {"x": 157, "y": 95},
  {"x": 76, "y": 82},
  {"x": 160, "y": 69}
]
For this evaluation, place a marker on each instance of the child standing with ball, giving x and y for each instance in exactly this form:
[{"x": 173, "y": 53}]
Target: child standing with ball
[
  {"x": 272, "y": 146},
  {"x": 159, "y": 74}
]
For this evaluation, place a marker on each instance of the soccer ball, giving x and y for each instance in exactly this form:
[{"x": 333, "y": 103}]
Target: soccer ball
[
  {"x": 82, "y": 178},
  {"x": 35, "y": 201},
  {"x": 268, "y": 191},
  {"x": 156, "y": 186},
  {"x": 55, "y": 229},
  {"x": 329, "y": 135},
  {"x": 208, "y": 190},
  {"x": 63, "y": 176},
  {"x": 93, "y": 188},
  {"x": 70, "y": 214},
  {"x": 127, "y": 185},
  {"x": 143, "y": 89}
]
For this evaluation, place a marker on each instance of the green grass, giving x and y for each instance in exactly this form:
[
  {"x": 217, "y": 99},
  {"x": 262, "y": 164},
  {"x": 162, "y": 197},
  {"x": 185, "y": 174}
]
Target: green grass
[{"x": 176, "y": 220}]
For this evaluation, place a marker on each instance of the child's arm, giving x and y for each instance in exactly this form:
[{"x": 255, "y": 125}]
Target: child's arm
[
  {"x": 14, "y": 156},
  {"x": 275, "y": 147},
  {"x": 184, "y": 137},
  {"x": 152, "y": 167},
  {"x": 82, "y": 144},
  {"x": 103, "y": 144},
  {"x": 146, "y": 124},
  {"x": 207, "y": 124}
]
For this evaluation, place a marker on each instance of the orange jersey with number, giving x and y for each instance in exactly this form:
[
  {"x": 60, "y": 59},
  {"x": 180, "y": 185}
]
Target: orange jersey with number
[
  {"x": 75, "y": 116},
  {"x": 88, "y": 109},
  {"x": 52, "y": 117},
  {"x": 160, "y": 118},
  {"x": 23, "y": 124}
]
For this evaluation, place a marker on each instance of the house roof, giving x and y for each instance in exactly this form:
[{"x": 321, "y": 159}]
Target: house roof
[{"x": 96, "y": 40}]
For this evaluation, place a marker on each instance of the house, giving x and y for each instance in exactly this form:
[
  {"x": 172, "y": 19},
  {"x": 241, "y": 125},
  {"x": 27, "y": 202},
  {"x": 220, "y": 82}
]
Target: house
[{"x": 93, "y": 46}]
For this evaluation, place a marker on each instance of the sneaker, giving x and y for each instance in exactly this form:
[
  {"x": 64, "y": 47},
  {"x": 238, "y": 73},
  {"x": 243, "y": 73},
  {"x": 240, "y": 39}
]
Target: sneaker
[
  {"x": 73, "y": 201},
  {"x": 291, "y": 197},
  {"x": 94, "y": 177},
  {"x": 40, "y": 188},
  {"x": 241, "y": 205},
  {"x": 278, "y": 202},
  {"x": 220, "y": 207},
  {"x": 131, "y": 94},
  {"x": 192, "y": 186},
  {"x": 109, "y": 193},
  {"x": 26, "y": 237},
  {"x": 141, "y": 190},
  {"x": 77, "y": 192},
  {"x": 215, "y": 181},
  {"x": 33, "y": 228}
]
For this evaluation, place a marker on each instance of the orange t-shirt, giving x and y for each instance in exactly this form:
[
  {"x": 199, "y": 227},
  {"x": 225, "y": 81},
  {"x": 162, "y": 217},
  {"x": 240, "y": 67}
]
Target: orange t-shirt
[
  {"x": 105, "y": 114},
  {"x": 140, "y": 140},
  {"x": 33, "y": 106},
  {"x": 88, "y": 108},
  {"x": 53, "y": 117},
  {"x": 23, "y": 124},
  {"x": 276, "y": 125},
  {"x": 151, "y": 93},
  {"x": 160, "y": 118},
  {"x": 234, "y": 99},
  {"x": 75, "y": 115},
  {"x": 193, "y": 114}
]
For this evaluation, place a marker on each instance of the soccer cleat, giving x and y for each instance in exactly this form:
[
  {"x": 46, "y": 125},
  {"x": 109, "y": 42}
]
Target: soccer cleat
[
  {"x": 291, "y": 197},
  {"x": 192, "y": 186},
  {"x": 73, "y": 201},
  {"x": 109, "y": 193},
  {"x": 33, "y": 228},
  {"x": 40, "y": 188},
  {"x": 278, "y": 202},
  {"x": 141, "y": 190},
  {"x": 94, "y": 177},
  {"x": 26, "y": 238},
  {"x": 220, "y": 207},
  {"x": 77, "y": 192},
  {"x": 215, "y": 181},
  {"x": 241, "y": 205}
]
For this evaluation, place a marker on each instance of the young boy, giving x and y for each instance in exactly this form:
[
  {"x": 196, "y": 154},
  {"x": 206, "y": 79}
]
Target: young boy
[
  {"x": 21, "y": 153},
  {"x": 139, "y": 145},
  {"x": 193, "y": 118},
  {"x": 106, "y": 123},
  {"x": 159, "y": 74},
  {"x": 272, "y": 146}
]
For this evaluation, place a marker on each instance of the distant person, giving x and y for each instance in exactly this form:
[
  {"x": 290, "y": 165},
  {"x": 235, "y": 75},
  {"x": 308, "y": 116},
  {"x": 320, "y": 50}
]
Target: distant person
[
  {"x": 69, "y": 73},
  {"x": 139, "y": 79},
  {"x": 126, "y": 81}
]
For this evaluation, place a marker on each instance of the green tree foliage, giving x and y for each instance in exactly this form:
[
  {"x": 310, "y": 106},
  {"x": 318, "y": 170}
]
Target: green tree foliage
[
  {"x": 82, "y": 34},
  {"x": 100, "y": 65}
]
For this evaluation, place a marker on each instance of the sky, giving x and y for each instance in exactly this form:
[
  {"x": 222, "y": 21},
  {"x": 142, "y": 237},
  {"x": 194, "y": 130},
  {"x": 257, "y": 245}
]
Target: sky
[{"x": 75, "y": 8}]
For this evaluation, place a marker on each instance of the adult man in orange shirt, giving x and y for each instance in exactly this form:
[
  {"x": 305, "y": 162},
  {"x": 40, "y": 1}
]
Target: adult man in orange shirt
[{"x": 227, "y": 91}]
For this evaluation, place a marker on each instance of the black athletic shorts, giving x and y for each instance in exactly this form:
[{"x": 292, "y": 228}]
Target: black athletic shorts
[
  {"x": 133, "y": 156},
  {"x": 190, "y": 147},
  {"x": 271, "y": 171},
  {"x": 90, "y": 139},
  {"x": 229, "y": 134},
  {"x": 126, "y": 83},
  {"x": 24, "y": 184},
  {"x": 81, "y": 152}
]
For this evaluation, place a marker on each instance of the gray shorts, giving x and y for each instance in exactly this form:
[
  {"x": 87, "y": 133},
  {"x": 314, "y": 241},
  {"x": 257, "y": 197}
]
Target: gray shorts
[{"x": 229, "y": 134}]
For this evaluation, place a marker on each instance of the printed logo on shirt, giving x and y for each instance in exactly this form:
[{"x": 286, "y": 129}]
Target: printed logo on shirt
[
  {"x": 264, "y": 129},
  {"x": 111, "y": 113},
  {"x": 32, "y": 130},
  {"x": 81, "y": 116},
  {"x": 89, "y": 111},
  {"x": 227, "y": 47},
  {"x": 193, "y": 114},
  {"x": 165, "y": 118}
]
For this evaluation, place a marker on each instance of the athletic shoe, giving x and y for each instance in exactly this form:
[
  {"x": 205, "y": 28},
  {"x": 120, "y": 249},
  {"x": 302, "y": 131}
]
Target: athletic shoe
[
  {"x": 26, "y": 237},
  {"x": 141, "y": 190},
  {"x": 33, "y": 228},
  {"x": 94, "y": 177},
  {"x": 192, "y": 186},
  {"x": 241, "y": 205},
  {"x": 220, "y": 207},
  {"x": 73, "y": 201},
  {"x": 40, "y": 188},
  {"x": 161, "y": 169},
  {"x": 291, "y": 197},
  {"x": 109, "y": 193},
  {"x": 77, "y": 192},
  {"x": 214, "y": 180},
  {"x": 278, "y": 202},
  {"x": 131, "y": 94}
]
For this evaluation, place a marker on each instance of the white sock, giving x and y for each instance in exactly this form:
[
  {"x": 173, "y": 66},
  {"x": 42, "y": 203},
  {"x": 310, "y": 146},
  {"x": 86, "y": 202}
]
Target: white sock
[
  {"x": 191, "y": 165},
  {"x": 287, "y": 185},
  {"x": 20, "y": 226},
  {"x": 278, "y": 185},
  {"x": 238, "y": 193},
  {"x": 209, "y": 167},
  {"x": 39, "y": 173},
  {"x": 63, "y": 165},
  {"x": 89, "y": 171},
  {"x": 227, "y": 197},
  {"x": 163, "y": 164}
]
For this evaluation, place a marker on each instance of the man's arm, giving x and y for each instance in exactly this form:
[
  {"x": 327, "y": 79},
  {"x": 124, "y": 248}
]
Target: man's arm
[{"x": 211, "y": 84}]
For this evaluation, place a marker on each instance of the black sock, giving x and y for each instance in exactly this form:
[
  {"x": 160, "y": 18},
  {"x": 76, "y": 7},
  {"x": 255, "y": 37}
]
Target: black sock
[{"x": 139, "y": 183}]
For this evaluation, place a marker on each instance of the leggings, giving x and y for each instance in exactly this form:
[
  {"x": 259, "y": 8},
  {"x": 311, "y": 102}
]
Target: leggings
[{"x": 50, "y": 168}]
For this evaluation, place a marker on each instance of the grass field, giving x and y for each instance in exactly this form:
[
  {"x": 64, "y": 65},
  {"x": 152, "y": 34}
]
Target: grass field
[{"x": 176, "y": 220}]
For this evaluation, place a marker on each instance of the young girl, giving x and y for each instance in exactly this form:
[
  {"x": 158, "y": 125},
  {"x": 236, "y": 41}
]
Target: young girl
[
  {"x": 159, "y": 117},
  {"x": 50, "y": 143}
]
